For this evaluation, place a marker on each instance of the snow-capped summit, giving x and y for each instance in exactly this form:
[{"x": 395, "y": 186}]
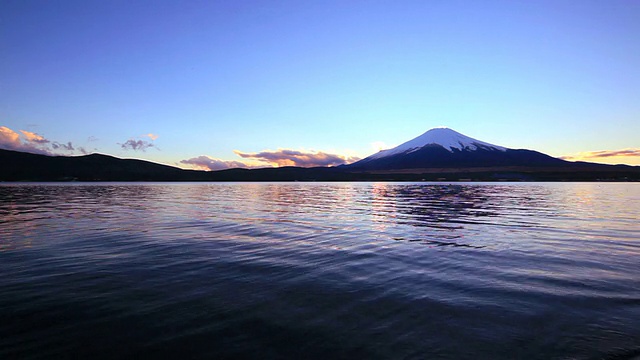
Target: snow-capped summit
[
  {"x": 442, "y": 136},
  {"x": 444, "y": 147}
]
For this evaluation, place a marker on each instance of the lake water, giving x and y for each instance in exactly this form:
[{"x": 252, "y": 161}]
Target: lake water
[{"x": 320, "y": 270}]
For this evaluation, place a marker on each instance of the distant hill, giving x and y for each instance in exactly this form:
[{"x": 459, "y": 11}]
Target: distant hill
[{"x": 20, "y": 166}]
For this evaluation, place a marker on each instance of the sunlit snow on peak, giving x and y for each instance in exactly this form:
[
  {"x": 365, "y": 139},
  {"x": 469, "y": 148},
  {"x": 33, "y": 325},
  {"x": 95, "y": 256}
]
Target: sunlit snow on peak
[{"x": 442, "y": 136}]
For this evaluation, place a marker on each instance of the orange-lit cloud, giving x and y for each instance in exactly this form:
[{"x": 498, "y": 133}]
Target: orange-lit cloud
[
  {"x": 152, "y": 136},
  {"x": 269, "y": 158},
  {"x": 9, "y": 138},
  {"x": 33, "y": 143},
  {"x": 33, "y": 137},
  {"x": 208, "y": 163},
  {"x": 286, "y": 157},
  {"x": 623, "y": 155}
]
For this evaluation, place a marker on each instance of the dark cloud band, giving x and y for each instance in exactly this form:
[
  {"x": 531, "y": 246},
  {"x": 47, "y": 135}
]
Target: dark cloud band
[
  {"x": 604, "y": 154},
  {"x": 136, "y": 145}
]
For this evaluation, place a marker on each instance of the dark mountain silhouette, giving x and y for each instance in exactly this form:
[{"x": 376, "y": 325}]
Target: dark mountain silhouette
[
  {"x": 443, "y": 153},
  {"x": 20, "y": 166},
  {"x": 446, "y": 148},
  {"x": 434, "y": 156}
]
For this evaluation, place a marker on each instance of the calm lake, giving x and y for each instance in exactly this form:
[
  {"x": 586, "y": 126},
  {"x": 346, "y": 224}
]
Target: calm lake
[{"x": 320, "y": 270}]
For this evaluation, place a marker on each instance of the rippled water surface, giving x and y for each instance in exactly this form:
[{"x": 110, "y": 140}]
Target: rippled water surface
[{"x": 320, "y": 270}]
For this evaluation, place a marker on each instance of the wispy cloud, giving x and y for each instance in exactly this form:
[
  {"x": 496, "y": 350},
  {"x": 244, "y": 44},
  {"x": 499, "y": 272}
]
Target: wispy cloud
[
  {"x": 632, "y": 152},
  {"x": 136, "y": 145},
  {"x": 204, "y": 162},
  {"x": 68, "y": 146},
  {"x": 610, "y": 153},
  {"x": 286, "y": 157},
  {"x": 139, "y": 144},
  {"x": 34, "y": 138}
]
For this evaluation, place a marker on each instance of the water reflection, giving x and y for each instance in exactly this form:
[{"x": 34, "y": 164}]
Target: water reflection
[
  {"x": 469, "y": 215},
  {"x": 449, "y": 212},
  {"x": 436, "y": 206},
  {"x": 391, "y": 270},
  {"x": 29, "y": 211}
]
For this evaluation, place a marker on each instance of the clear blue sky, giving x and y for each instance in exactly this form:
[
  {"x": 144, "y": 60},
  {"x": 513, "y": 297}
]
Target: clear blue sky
[{"x": 211, "y": 77}]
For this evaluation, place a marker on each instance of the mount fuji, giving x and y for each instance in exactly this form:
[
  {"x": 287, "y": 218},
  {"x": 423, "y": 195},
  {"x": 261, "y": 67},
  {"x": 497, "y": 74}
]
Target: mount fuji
[{"x": 446, "y": 148}]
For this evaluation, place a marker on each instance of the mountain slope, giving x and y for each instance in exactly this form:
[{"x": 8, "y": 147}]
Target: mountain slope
[
  {"x": 446, "y": 148},
  {"x": 444, "y": 137}
]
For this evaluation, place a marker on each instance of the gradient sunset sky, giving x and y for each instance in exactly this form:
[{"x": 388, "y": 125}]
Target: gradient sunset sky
[{"x": 231, "y": 83}]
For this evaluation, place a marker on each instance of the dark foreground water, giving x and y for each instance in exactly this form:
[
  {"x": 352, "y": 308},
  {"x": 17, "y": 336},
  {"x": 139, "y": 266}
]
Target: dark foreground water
[{"x": 320, "y": 271}]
